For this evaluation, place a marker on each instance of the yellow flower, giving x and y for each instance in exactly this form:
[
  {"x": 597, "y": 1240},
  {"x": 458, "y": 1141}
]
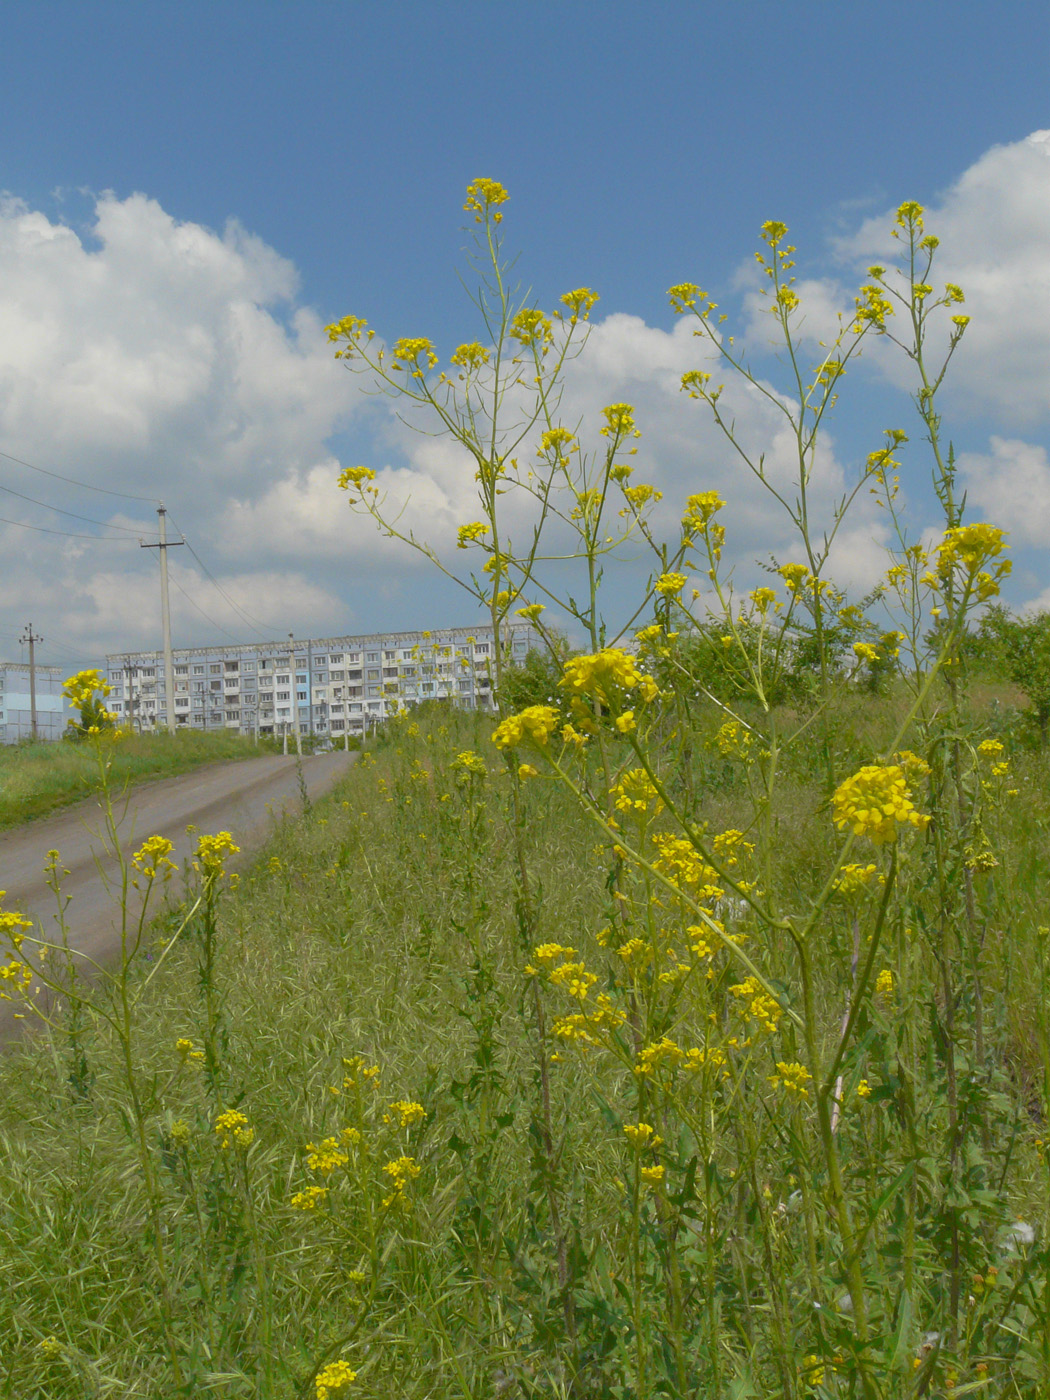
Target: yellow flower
[
  {"x": 406, "y": 1112},
  {"x": 401, "y": 1171},
  {"x": 468, "y": 534},
  {"x": 526, "y": 770},
  {"x": 579, "y": 302},
  {"x": 212, "y": 852},
  {"x": 232, "y": 1130},
  {"x": 331, "y": 1381},
  {"x": 607, "y": 676},
  {"x": 152, "y": 858},
  {"x": 652, "y": 1176},
  {"x": 483, "y": 197},
  {"x": 625, "y": 723},
  {"x": 661, "y": 1052},
  {"x": 351, "y": 477},
  {"x": 854, "y": 878},
  {"x": 668, "y": 585},
  {"x": 863, "y": 1089},
  {"x": 309, "y": 1199},
  {"x": 641, "y": 1135},
  {"x": 760, "y": 1006},
  {"x": 619, "y": 421},
  {"x": 874, "y": 802},
  {"x": 534, "y": 724},
  {"x": 884, "y": 984},
  {"x": 325, "y": 1156},
  {"x": 411, "y": 349},
  {"x": 471, "y": 356},
  {"x": 792, "y": 1078}
]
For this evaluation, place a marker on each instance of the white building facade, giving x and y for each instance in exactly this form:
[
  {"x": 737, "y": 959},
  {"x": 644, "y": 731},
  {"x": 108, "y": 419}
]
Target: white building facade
[
  {"x": 16, "y": 714},
  {"x": 327, "y": 686}
]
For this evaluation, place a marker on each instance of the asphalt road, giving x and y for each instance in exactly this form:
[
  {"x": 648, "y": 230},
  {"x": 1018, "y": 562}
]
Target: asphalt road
[{"x": 244, "y": 798}]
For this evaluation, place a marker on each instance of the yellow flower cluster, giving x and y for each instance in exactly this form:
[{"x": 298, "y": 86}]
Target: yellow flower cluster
[
  {"x": 469, "y": 534},
  {"x": 152, "y": 858},
  {"x": 619, "y": 421},
  {"x": 852, "y": 879},
  {"x": 682, "y": 864},
  {"x": 608, "y": 676},
  {"x": 733, "y": 740},
  {"x": 531, "y": 327},
  {"x": 670, "y": 585},
  {"x": 469, "y": 762},
  {"x": 232, "y": 1130},
  {"x": 358, "y": 1072},
  {"x": 792, "y": 1078},
  {"x": 81, "y": 689},
  {"x": 970, "y": 546},
  {"x": 635, "y": 795},
  {"x": 641, "y": 1135},
  {"x": 874, "y": 802},
  {"x": 406, "y": 1112},
  {"x": 401, "y": 1171},
  {"x": 484, "y": 196},
  {"x": 535, "y": 724},
  {"x": 654, "y": 1056},
  {"x": 213, "y": 851},
  {"x": 333, "y": 1378},
  {"x": 573, "y": 978},
  {"x": 471, "y": 356},
  {"x": 309, "y": 1199},
  {"x": 757, "y": 1004},
  {"x": 884, "y": 984},
  {"x": 579, "y": 302},
  {"x": 355, "y": 477},
  {"x": 188, "y": 1053},
  {"x": 411, "y": 349},
  {"x": 325, "y": 1156}
]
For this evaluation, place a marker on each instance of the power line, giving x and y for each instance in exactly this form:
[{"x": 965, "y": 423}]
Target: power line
[
  {"x": 203, "y": 614},
  {"x": 105, "y": 524},
  {"x": 66, "y": 534},
  {"x": 103, "y": 490},
  {"x": 262, "y": 628}
]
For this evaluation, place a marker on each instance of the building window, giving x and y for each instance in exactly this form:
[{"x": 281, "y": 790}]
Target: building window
[
  {"x": 198, "y": 670},
  {"x": 182, "y": 670},
  {"x": 282, "y": 680},
  {"x": 232, "y": 665},
  {"x": 369, "y": 656},
  {"x": 320, "y": 661},
  {"x": 300, "y": 694},
  {"x": 283, "y": 695}
]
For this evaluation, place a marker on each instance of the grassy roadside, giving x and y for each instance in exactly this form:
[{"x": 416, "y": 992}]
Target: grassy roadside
[
  {"x": 37, "y": 779},
  {"x": 369, "y": 970}
]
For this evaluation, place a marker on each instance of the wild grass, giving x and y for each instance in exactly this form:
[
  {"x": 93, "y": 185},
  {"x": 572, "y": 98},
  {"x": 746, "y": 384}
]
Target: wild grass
[
  {"x": 37, "y": 779},
  {"x": 382, "y": 931}
]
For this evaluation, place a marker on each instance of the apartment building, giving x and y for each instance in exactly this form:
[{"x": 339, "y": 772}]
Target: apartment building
[
  {"x": 329, "y": 686},
  {"x": 16, "y": 715}
]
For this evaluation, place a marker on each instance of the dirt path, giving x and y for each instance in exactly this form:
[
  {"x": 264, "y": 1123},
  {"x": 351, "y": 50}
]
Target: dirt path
[{"x": 244, "y": 798}]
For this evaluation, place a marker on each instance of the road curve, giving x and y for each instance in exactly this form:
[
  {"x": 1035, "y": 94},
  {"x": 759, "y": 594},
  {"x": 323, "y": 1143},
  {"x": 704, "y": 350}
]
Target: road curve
[{"x": 244, "y": 798}]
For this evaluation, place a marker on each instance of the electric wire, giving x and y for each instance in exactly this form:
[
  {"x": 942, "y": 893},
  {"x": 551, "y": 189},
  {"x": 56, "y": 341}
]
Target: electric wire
[
  {"x": 66, "y": 534},
  {"x": 103, "y": 490},
  {"x": 263, "y": 629},
  {"x": 196, "y": 606},
  {"x": 104, "y": 524}
]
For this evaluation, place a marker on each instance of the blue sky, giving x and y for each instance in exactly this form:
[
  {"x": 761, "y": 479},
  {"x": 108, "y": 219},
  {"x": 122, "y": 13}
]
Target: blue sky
[{"x": 641, "y": 144}]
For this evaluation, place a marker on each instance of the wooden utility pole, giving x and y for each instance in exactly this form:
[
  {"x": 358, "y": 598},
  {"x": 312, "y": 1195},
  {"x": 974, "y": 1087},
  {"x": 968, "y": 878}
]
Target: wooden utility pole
[
  {"x": 165, "y": 615},
  {"x": 28, "y": 636}
]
